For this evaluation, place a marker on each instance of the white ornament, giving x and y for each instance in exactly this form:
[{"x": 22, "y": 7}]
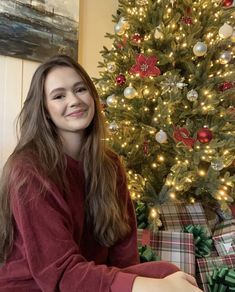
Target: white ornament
[
  {"x": 225, "y": 57},
  {"x": 225, "y": 31},
  {"x": 161, "y": 137},
  {"x": 192, "y": 95},
  {"x": 112, "y": 100},
  {"x": 111, "y": 67},
  {"x": 130, "y": 92},
  {"x": 158, "y": 34},
  {"x": 200, "y": 49},
  {"x": 181, "y": 85},
  {"x": 141, "y": 2},
  {"x": 119, "y": 29},
  {"x": 113, "y": 126}
]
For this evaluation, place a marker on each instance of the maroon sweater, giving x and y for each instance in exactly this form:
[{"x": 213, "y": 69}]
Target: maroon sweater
[{"x": 53, "y": 251}]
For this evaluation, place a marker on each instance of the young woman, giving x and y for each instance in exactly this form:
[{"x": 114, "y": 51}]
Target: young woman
[{"x": 67, "y": 222}]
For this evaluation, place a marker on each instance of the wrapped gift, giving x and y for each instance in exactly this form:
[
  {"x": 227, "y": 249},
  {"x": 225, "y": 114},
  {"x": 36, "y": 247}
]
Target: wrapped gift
[
  {"x": 175, "y": 216},
  {"x": 224, "y": 237},
  {"x": 209, "y": 267},
  {"x": 174, "y": 247}
]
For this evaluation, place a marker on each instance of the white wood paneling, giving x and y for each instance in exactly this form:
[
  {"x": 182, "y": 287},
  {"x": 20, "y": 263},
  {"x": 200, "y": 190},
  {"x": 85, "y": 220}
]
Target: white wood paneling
[
  {"x": 15, "y": 78},
  {"x": 10, "y": 103}
]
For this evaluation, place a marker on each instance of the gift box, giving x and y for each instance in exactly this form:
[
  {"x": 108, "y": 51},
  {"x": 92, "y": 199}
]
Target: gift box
[
  {"x": 174, "y": 247},
  {"x": 208, "y": 266},
  {"x": 224, "y": 237},
  {"x": 175, "y": 216}
]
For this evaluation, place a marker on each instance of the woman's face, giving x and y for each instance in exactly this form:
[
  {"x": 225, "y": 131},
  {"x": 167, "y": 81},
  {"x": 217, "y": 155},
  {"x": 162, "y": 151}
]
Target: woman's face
[{"x": 68, "y": 101}]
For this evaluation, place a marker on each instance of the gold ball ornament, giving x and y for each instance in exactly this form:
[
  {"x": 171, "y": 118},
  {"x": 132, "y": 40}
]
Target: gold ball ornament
[
  {"x": 225, "y": 31},
  {"x": 111, "y": 67},
  {"x": 157, "y": 33},
  {"x": 225, "y": 57},
  {"x": 233, "y": 37},
  {"x": 200, "y": 49},
  {"x": 113, "y": 127}
]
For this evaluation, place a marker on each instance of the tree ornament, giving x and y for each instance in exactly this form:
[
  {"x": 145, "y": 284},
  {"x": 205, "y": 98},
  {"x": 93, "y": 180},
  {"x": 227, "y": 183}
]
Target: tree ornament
[
  {"x": 182, "y": 135},
  {"x": 172, "y": 82},
  {"x": 227, "y": 3},
  {"x": 111, "y": 67},
  {"x": 217, "y": 164},
  {"x": 225, "y": 31},
  {"x": 233, "y": 37},
  {"x": 200, "y": 49},
  {"x": 113, "y": 127},
  {"x": 204, "y": 135},
  {"x": 119, "y": 29},
  {"x": 141, "y": 2},
  {"x": 187, "y": 20},
  {"x": 157, "y": 33},
  {"x": 225, "y": 57},
  {"x": 112, "y": 100},
  {"x": 130, "y": 92},
  {"x": 120, "y": 45},
  {"x": 192, "y": 95},
  {"x": 136, "y": 39},
  {"x": 120, "y": 79},
  {"x": 161, "y": 137},
  {"x": 145, "y": 146},
  {"x": 231, "y": 112},
  {"x": 145, "y": 66},
  {"x": 225, "y": 86}
]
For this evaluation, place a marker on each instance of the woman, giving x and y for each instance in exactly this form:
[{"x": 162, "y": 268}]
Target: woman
[{"x": 67, "y": 222}]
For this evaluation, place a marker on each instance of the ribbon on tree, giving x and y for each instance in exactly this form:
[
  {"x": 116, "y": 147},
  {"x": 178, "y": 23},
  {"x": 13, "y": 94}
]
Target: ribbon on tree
[
  {"x": 146, "y": 254},
  {"x": 203, "y": 243},
  {"x": 221, "y": 279}
]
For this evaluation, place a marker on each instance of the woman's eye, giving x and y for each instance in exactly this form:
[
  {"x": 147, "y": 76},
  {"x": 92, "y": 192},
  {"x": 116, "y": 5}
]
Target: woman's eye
[
  {"x": 58, "y": 96},
  {"x": 80, "y": 89}
]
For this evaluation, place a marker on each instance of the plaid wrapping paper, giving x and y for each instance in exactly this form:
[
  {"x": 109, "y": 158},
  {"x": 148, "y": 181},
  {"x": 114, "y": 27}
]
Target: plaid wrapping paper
[
  {"x": 175, "y": 216},
  {"x": 174, "y": 247},
  {"x": 224, "y": 237},
  {"x": 206, "y": 265}
]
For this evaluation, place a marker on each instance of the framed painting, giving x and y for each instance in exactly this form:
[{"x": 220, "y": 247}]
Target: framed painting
[{"x": 38, "y": 29}]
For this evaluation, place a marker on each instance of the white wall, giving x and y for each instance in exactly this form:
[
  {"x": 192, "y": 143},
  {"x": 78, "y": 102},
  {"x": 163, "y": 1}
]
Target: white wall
[{"x": 15, "y": 74}]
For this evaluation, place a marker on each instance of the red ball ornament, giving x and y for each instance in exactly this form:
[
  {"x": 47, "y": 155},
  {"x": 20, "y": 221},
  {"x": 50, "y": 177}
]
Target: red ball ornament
[
  {"x": 227, "y": 3},
  {"x": 136, "y": 38},
  {"x": 120, "y": 80},
  {"x": 187, "y": 20},
  {"x": 225, "y": 86},
  {"x": 204, "y": 135}
]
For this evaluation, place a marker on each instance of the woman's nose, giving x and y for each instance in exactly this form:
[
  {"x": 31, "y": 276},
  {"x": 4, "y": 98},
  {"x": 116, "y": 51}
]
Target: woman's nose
[{"x": 73, "y": 99}]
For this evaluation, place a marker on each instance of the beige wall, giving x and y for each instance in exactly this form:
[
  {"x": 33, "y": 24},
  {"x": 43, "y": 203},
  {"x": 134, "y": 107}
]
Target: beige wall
[{"x": 95, "y": 20}]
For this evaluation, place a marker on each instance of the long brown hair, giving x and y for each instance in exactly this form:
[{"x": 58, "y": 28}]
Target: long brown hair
[{"x": 38, "y": 138}]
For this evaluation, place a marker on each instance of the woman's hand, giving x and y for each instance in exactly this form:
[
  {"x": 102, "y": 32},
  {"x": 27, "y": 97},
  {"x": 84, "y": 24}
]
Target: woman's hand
[{"x": 176, "y": 282}]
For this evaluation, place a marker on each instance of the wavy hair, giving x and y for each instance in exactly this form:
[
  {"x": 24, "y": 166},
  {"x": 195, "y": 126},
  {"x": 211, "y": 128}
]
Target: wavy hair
[{"x": 39, "y": 137}]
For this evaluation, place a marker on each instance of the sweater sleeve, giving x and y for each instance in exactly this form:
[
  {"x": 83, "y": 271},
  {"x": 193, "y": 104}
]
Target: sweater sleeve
[{"x": 53, "y": 257}]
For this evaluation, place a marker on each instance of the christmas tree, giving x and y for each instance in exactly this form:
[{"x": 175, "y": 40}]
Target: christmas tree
[{"x": 167, "y": 89}]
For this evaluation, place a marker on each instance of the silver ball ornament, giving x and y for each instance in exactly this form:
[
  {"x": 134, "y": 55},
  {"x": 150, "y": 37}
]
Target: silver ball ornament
[
  {"x": 161, "y": 137},
  {"x": 111, "y": 67},
  {"x": 200, "y": 49},
  {"x": 225, "y": 57},
  {"x": 112, "y": 100},
  {"x": 225, "y": 31},
  {"x": 217, "y": 164},
  {"x": 130, "y": 92},
  {"x": 192, "y": 95},
  {"x": 113, "y": 127},
  {"x": 119, "y": 29}
]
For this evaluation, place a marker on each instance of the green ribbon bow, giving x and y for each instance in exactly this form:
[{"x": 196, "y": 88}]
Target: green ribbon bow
[
  {"x": 146, "y": 254},
  {"x": 221, "y": 279},
  {"x": 203, "y": 243},
  {"x": 141, "y": 211}
]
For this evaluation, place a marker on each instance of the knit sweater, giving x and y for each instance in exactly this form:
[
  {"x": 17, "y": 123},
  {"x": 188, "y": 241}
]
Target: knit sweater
[{"x": 53, "y": 250}]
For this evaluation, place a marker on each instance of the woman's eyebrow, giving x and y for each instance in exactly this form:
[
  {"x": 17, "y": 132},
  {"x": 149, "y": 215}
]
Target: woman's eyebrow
[{"x": 62, "y": 88}]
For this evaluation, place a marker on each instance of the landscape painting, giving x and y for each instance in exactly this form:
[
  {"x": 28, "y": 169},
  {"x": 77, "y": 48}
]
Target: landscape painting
[{"x": 38, "y": 29}]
